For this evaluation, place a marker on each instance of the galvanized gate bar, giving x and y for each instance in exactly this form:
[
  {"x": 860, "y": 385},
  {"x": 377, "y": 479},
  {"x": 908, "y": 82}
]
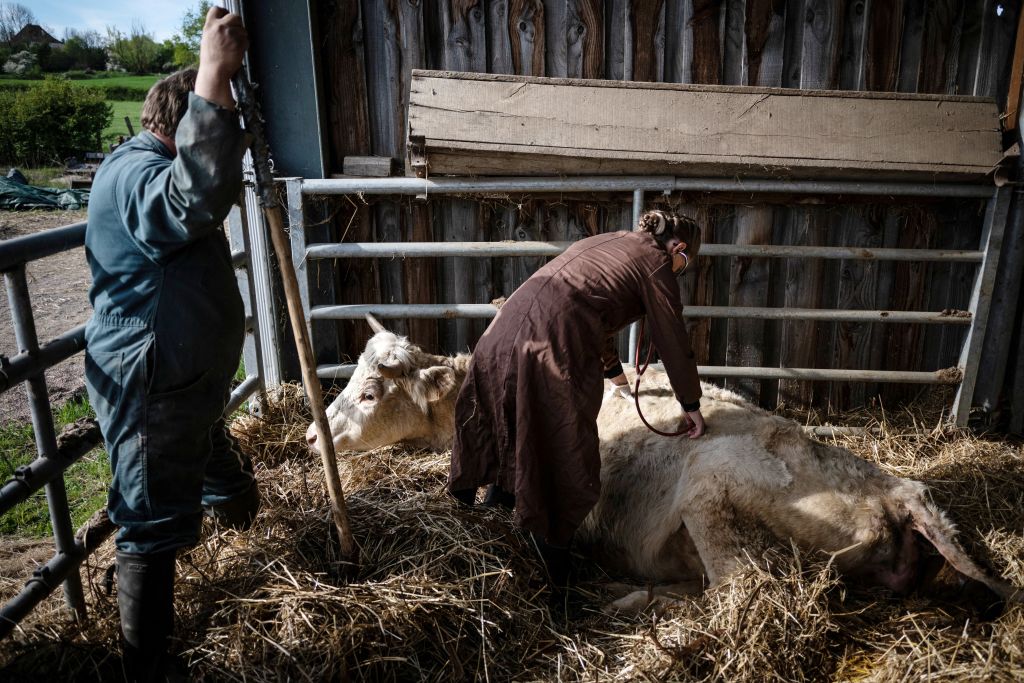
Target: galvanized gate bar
[
  {"x": 46, "y": 438},
  {"x": 432, "y": 311},
  {"x": 18, "y": 250},
  {"x": 945, "y": 376},
  {"x": 527, "y": 248},
  {"x": 24, "y": 365},
  {"x": 981, "y": 298},
  {"x": 445, "y": 185},
  {"x": 482, "y": 185},
  {"x": 30, "y": 478}
]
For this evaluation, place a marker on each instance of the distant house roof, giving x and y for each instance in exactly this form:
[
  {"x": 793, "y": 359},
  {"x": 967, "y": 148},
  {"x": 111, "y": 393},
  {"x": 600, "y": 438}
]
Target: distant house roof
[{"x": 33, "y": 34}]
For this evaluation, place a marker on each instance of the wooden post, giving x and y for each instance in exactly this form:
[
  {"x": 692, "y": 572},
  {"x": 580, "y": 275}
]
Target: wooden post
[{"x": 1013, "y": 95}]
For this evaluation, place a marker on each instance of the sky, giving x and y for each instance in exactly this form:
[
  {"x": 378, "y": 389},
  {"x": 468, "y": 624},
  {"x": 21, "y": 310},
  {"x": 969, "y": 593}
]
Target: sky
[{"x": 162, "y": 18}]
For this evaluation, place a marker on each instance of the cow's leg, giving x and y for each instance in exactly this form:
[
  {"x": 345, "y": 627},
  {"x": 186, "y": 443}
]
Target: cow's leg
[
  {"x": 721, "y": 542},
  {"x": 659, "y": 597}
]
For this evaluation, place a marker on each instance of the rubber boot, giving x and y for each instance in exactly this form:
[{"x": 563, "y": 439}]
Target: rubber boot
[
  {"x": 145, "y": 599},
  {"x": 239, "y": 512},
  {"x": 466, "y": 496},
  {"x": 499, "y": 497},
  {"x": 557, "y": 561}
]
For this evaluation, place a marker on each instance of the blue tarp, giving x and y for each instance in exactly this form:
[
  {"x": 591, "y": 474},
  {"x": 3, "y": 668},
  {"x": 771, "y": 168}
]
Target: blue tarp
[{"x": 15, "y": 195}]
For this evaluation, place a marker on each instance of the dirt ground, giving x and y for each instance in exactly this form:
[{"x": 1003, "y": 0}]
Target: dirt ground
[{"x": 59, "y": 288}]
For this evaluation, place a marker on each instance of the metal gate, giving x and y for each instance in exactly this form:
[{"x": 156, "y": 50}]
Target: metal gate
[
  {"x": 964, "y": 374},
  {"x": 28, "y": 366}
]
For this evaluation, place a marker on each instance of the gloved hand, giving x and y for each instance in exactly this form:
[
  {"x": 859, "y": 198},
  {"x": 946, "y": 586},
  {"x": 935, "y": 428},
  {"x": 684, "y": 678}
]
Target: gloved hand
[{"x": 618, "y": 391}]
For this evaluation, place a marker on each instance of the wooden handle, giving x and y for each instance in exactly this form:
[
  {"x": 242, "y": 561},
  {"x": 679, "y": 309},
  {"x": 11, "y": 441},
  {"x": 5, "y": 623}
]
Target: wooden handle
[{"x": 339, "y": 511}]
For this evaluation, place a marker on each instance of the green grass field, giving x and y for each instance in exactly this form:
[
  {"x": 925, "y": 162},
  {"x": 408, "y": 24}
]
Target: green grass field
[
  {"x": 98, "y": 81},
  {"x": 117, "y": 125},
  {"x": 86, "y": 481}
]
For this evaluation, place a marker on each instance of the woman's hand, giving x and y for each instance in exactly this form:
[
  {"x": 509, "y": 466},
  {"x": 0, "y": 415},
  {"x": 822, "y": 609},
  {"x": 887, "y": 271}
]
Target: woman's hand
[
  {"x": 696, "y": 423},
  {"x": 619, "y": 389}
]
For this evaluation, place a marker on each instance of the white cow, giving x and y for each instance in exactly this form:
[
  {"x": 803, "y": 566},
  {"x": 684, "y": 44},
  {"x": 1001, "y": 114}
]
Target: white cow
[{"x": 675, "y": 510}]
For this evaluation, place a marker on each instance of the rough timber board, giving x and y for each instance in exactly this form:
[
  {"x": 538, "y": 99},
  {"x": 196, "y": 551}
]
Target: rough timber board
[{"x": 507, "y": 125}]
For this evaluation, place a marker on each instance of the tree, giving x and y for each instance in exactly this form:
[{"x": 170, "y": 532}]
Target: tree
[
  {"x": 13, "y": 17},
  {"x": 186, "y": 51},
  {"x": 54, "y": 120},
  {"x": 136, "y": 52},
  {"x": 84, "y": 49}
]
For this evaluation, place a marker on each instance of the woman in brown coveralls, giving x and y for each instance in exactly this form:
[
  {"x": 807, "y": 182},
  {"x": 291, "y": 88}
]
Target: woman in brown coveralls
[{"x": 526, "y": 416}]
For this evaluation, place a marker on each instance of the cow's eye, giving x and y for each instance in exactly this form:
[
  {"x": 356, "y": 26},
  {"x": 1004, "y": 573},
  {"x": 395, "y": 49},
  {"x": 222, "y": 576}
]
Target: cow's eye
[{"x": 367, "y": 396}]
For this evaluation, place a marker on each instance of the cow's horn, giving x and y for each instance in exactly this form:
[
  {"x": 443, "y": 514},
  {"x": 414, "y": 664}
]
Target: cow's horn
[
  {"x": 389, "y": 371},
  {"x": 375, "y": 324}
]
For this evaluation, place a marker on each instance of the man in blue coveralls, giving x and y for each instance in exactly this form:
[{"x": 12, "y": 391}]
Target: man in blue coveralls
[{"x": 165, "y": 336}]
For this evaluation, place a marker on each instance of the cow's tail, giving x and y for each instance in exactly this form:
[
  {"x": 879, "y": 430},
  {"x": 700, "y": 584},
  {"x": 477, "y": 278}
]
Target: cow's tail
[{"x": 931, "y": 523}]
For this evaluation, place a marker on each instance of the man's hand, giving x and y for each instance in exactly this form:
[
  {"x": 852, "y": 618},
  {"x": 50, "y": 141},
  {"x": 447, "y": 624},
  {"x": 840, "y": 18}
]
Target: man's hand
[
  {"x": 695, "y": 421},
  {"x": 221, "y": 50}
]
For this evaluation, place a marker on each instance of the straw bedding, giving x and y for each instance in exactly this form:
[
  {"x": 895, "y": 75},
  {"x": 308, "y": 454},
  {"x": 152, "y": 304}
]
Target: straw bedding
[{"x": 447, "y": 593}]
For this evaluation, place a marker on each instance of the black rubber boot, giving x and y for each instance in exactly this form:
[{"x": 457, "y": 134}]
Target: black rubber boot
[
  {"x": 497, "y": 496},
  {"x": 466, "y": 496},
  {"x": 557, "y": 561},
  {"x": 145, "y": 599},
  {"x": 239, "y": 512}
]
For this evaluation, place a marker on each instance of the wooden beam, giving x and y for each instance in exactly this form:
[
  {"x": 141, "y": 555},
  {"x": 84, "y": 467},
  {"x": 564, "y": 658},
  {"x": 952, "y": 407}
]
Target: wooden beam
[
  {"x": 1013, "y": 96},
  {"x": 490, "y": 124}
]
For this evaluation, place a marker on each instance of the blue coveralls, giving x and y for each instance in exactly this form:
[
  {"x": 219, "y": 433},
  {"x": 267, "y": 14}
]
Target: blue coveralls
[{"x": 166, "y": 333}]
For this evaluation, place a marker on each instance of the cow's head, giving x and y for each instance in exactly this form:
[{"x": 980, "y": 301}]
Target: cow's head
[{"x": 398, "y": 393}]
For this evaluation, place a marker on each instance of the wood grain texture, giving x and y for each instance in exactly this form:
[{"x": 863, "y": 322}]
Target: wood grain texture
[
  {"x": 882, "y": 56},
  {"x": 740, "y": 129},
  {"x": 748, "y": 286},
  {"x": 526, "y": 33},
  {"x": 707, "y": 60}
]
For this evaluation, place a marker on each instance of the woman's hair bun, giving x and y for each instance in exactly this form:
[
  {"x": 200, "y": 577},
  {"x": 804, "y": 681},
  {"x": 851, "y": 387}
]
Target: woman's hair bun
[{"x": 653, "y": 222}]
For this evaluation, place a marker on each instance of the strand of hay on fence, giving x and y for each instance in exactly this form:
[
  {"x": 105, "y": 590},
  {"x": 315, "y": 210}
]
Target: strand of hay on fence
[{"x": 443, "y": 592}]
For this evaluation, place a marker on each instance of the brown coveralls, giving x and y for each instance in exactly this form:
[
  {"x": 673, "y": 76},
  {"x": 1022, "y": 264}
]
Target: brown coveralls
[{"x": 526, "y": 416}]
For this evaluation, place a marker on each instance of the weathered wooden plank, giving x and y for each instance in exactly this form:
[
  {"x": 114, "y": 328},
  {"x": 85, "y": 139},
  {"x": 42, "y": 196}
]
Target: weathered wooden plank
[
  {"x": 344, "y": 69},
  {"x": 499, "y": 39},
  {"x": 911, "y": 46},
  {"x": 387, "y": 122},
  {"x": 1014, "y": 90},
  {"x": 555, "y": 38},
  {"x": 819, "y": 66},
  {"x": 852, "y": 63},
  {"x": 857, "y": 287},
  {"x": 678, "y": 41},
  {"x": 734, "y": 54},
  {"x": 905, "y": 341},
  {"x": 588, "y": 48},
  {"x": 748, "y": 286},
  {"x": 465, "y": 49},
  {"x": 882, "y": 57},
  {"x": 373, "y": 167},
  {"x": 937, "y": 57},
  {"x": 803, "y": 289},
  {"x": 707, "y": 57},
  {"x": 646, "y": 17},
  {"x": 958, "y": 226},
  {"x": 618, "y": 56},
  {"x": 1001, "y": 50},
  {"x": 526, "y": 33},
  {"x": 718, "y": 277},
  {"x": 740, "y": 130},
  {"x": 973, "y": 36},
  {"x": 698, "y": 283},
  {"x": 765, "y": 26},
  {"x": 420, "y": 274}
]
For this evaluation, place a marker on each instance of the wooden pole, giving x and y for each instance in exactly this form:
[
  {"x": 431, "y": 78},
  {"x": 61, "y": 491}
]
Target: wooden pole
[
  {"x": 249, "y": 110},
  {"x": 282, "y": 249}
]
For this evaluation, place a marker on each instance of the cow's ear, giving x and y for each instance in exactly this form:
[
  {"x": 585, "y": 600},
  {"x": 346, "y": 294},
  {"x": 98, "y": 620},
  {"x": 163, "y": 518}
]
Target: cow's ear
[{"x": 435, "y": 383}]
